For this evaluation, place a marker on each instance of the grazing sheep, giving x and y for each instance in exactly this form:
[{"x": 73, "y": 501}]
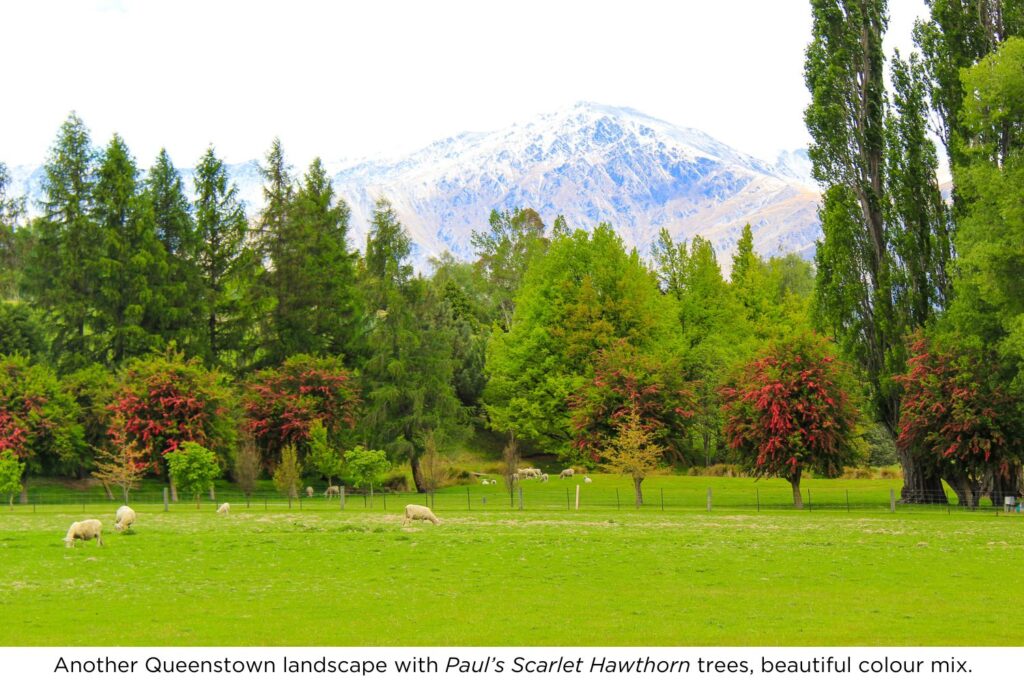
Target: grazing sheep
[
  {"x": 485, "y": 482},
  {"x": 332, "y": 491},
  {"x": 124, "y": 518},
  {"x": 544, "y": 478},
  {"x": 86, "y": 530},
  {"x": 493, "y": 482},
  {"x": 588, "y": 480},
  {"x": 419, "y": 512},
  {"x": 309, "y": 492},
  {"x": 224, "y": 509},
  {"x": 567, "y": 473}
]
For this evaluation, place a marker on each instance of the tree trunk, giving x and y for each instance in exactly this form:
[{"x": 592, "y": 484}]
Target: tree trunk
[
  {"x": 999, "y": 486},
  {"x": 213, "y": 494},
  {"x": 106, "y": 490},
  {"x": 637, "y": 481},
  {"x": 919, "y": 486},
  {"x": 174, "y": 489},
  {"x": 798, "y": 499},
  {"x": 124, "y": 492},
  {"x": 417, "y": 474},
  {"x": 23, "y": 496}
]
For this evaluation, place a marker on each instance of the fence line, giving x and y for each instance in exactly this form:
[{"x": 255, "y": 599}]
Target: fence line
[{"x": 548, "y": 498}]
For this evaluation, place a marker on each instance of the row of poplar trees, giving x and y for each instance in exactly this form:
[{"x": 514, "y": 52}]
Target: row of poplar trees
[{"x": 896, "y": 256}]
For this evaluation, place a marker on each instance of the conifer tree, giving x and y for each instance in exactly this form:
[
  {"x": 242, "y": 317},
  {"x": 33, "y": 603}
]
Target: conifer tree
[
  {"x": 130, "y": 264},
  {"x": 226, "y": 264},
  {"x": 61, "y": 276},
  {"x": 12, "y": 209}
]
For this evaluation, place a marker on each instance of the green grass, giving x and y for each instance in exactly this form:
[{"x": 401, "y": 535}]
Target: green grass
[{"x": 599, "y": 576}]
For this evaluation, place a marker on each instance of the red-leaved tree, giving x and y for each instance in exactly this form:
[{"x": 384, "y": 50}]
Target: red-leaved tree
[
  {"x": 281, "y": 404},
  {"x": 960, "y": 421},
  {"x": 629, "y": 386},
  {"x": 786, "y": 411},
  {"x": 164, "y": 401}
]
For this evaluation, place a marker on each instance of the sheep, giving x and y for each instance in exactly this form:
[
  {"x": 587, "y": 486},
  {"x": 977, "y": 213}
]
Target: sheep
[
  {"x": 309, "y": 492},
  {"x": 544, "y": 478},
  {"x": 567, "y": 473},
  {"x": 224, "y": 509},
  {"x": 124, "y": 518},
  {"x": 419, "y": 512},
  {"x": 588, "y": 480},
  {"x": 332, "y": 491},
  {"x": 485, "y": 482},
  {"x": 86, "y": 530},
  {"x": 493, "y": 482}
]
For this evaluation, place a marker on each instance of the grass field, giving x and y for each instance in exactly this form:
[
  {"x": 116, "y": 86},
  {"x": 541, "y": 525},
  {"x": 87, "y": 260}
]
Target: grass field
[{"x": 495, "y": 576}]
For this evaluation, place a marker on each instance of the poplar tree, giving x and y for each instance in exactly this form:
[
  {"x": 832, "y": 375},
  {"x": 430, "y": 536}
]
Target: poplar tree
[{"x": 861, "y": 258}]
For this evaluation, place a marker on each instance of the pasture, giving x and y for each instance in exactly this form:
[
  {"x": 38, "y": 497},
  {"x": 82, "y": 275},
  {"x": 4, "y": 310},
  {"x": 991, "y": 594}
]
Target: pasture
[{"x": 544, "y": 575}]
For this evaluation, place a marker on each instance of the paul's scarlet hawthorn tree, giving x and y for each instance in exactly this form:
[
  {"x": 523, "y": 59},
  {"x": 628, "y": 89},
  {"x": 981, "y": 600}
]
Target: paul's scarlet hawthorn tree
[
  {"x": 164, "y": 401},
  {"x": 282, "y": 404},
  {"x": 786, "y": 412},
  {"x": 630, "y": 387},
  {"x": 960, "y": 421}
]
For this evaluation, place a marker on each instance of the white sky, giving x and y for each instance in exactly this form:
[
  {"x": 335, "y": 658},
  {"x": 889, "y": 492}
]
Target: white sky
[{"x": 343, "y": 80}]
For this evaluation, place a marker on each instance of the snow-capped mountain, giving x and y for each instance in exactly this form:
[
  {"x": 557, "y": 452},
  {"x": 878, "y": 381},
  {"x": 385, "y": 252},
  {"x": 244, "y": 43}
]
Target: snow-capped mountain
[{"x": 593, "y": 163}]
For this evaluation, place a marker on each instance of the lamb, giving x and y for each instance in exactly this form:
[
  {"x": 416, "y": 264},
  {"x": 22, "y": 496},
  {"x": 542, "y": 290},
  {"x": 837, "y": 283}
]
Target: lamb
[
  {"x": 419, "y": 512},
  {"x": 124, "y": 518},
  {"x": 309, "y": 492},
  {"x": 485, "y": 482},
  {"x": 567, "y": 473},
  {"x": 224, "y": 509},
  {"x": 544, "y": 478},
  {"x": 86, "y": 530},
  {"x": 332, "y": 491},
  {"x": 588, "y": 480}
]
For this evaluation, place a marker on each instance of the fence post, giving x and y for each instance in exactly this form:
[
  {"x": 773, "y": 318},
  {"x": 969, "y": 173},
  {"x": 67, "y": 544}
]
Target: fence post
[
  {"x": 568, "y": 503},
  {"x": 618, "y": 505},
  {"x": 341, "y": 497},
  {"x": 520, "y": 497},
  {"x": 165, "y": 499},
  {"x": 847, "y": 500},
  {"x": 577, "y": 496},
  {"x": 892, "y": 500},
  {"x": 300, "y": 502},
  {"x": 469, "y": 504},
  {"x": 757, "y": 492},
  {"x": 264, "y": 501},
  {"x": 809, "y": 506},
  {"x": 709, "y": 499},
  {"x": 663, "y": 500},
  {"x": 384, "y": 498}
]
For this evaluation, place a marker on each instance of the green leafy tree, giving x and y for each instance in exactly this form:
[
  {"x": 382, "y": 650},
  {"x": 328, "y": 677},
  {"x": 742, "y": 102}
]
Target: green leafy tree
[
  {"x": 21, "y": 331},
  {"x": 366, "y": 467},
  {"x": 744, "y": 259},
  {"x": 503, "y": 254},
  {"x": 193, "y": 468},
  {"x": 288, "y": 473},
  {"x": 583, "y": 295},
  {"x": 323, "y": 457},
  {"x": 247, "y": 465},
  {"x": 11, "y": 471}
]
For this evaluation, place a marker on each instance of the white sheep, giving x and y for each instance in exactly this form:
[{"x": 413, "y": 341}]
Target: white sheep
[
  {"x": 332, "y": 491},
  {"x": 419, "y": 512},
  {"x": 86, "y": 530},
  {"x": 493, "y": 482},
  {"x": 309, "y": 492},
  {"x": 544, "y": 478},
  {"x": 567, "y": 473},
  {"x": 124, "y": 518},
  {"x": 224, "y": 509},
  {"x": 588, "y": 480},
  {"x": 485, "y": 482}
]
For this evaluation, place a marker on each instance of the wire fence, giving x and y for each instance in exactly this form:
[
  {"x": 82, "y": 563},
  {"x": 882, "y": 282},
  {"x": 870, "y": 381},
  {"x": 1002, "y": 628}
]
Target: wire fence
[{"x": 546, "y": 498}]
